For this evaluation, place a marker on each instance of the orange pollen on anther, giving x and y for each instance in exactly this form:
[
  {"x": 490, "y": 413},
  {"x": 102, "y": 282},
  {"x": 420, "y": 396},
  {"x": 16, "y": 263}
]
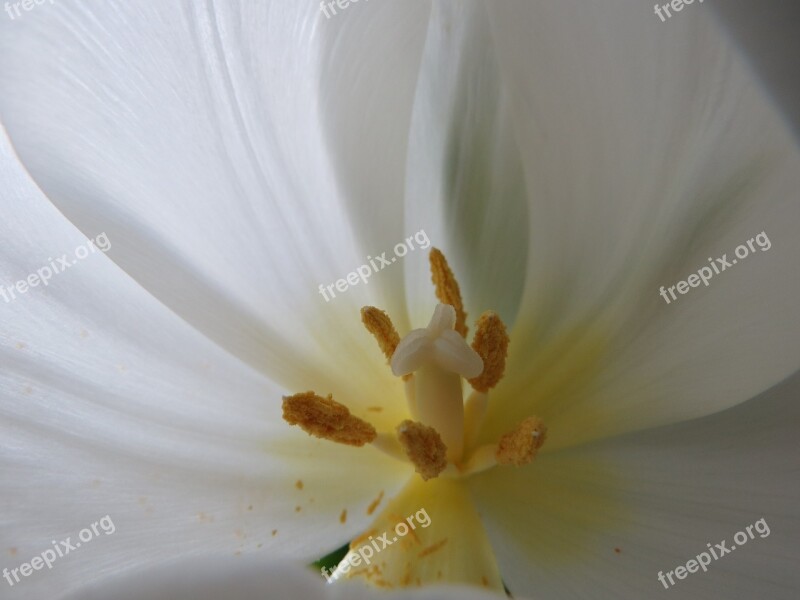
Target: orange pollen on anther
[
  {"x": 327, "y": 419},
  {"x": 447, "y": 290},
  {"x": 424, "y": 447},
  {"x": 381, "y": 327},
  {"x": 491, "y": 343},
  {"x": 519, "y": 447}
]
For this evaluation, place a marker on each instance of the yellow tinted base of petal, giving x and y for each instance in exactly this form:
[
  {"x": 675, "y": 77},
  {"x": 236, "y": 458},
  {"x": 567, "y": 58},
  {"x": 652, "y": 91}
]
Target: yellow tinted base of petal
[
  {"x": 553, "y": 382},
  {"x": 447, "y": 543},
  {"x": 559, "y": 511}
]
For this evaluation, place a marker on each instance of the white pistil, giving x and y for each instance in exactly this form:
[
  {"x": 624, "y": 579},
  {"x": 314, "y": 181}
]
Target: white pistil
[
  {"x": 439, "y": 358},
  {"x": 440, "y": 405}
]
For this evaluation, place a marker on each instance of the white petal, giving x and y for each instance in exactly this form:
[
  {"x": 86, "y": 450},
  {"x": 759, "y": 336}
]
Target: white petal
[
  {"x": 367, "y": 100},
  {"x": 465, "y": 180},
  {"x": 211, "y": 577},
  {"x": 602, "y": 520},
  {"x": 646, "y": 152},
  {"x": 112, "y": 405},
  {"x": 246, "y": 578},
  {"x": 171, "y": 129}
]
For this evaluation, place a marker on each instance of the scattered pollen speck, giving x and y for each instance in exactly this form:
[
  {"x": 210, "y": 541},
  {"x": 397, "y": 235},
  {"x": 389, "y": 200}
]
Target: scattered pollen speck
[
  {"x": 343, "y": 516},
  {"x": 237, "y": 553},
  {"x": 362, "y": 538},
  {"x": 96, "y": 483},
  {"x": 204, "y": 518},
  {"x": 84, "y": 333},
  {"x": 299, "y": 484},
  {"x": 20, "y": 345},
  {"x": 250, "y": 507},
  {"x": 374, "y": 504},
  {"x": 374, "y": 408},
  {"x": 484, "y": 581},
  {"x": 431, "y": 549},
  {"x": 298, "y": 508},
  {"x": 12, "y": 551},
  {"x": 274, "y": 532},
  {"x": 617, "y": 550}
]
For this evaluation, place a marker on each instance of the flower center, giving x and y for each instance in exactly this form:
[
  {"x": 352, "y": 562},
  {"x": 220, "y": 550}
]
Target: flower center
[{"x": 433, "y": 361}]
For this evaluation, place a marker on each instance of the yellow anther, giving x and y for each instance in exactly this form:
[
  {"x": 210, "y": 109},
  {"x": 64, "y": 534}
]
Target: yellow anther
[
  {"x": 447, "y": 290},
  {"x": 491, "y": 343},
  {"x": 380, "y": 326},
  {"x": 327, "y": 419},
  {"x": 519, "y": 447},
  {"x": 424, "y": 447}
]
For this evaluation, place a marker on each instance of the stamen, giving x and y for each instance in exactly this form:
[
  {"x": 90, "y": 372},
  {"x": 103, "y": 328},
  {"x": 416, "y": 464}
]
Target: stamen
[
  {"x": 491, "y": 343},
  {"x": 380, "y": 325},
  {"x": 327, "y": 419},
  {"x": 389, "y": 445},
  {"x": 519, "y": 447},
  {"x": 482, "y": 459},
  {"x": 447, "y": 290},
  {"x": 475, "y": 409},
  {"x": 424, "y": 447}
]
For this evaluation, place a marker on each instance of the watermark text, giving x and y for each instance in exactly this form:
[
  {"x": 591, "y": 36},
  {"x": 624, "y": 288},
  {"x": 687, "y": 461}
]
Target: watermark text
[
  {"x": 702, "y": 560},
  {"x": 59, "y": 550},
  {"x": 704, "y": 274}
]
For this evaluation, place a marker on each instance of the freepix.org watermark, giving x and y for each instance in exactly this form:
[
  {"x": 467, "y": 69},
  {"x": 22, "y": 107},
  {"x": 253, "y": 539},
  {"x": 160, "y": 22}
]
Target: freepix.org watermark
[
  {"x": 705, "y": 274},
  {"x": 365, "y": 271},
  {"x": 13, "y": 8},
  {"x": 342, "y": 4},
  {"x": 365, "y": 552},
  {"x": 675, "y": 5},
  {"x": 55, "y": 267},
  {"x": 59, "y": 550},
  {"x": 702, "y": 560}
]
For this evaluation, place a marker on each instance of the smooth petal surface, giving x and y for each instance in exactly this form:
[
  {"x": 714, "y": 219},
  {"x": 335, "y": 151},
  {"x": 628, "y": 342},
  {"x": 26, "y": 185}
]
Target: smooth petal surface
[
  {"x": 647, "y": 148},
  {"x": 464, "y": 180},
  {"x": 601, "y": 520},
  {"x": 112, "y": 405},
  {"x": 248, "y": 578},
  {"x": 371, "y": 55},
  {"x": 186, "y": 132}
]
